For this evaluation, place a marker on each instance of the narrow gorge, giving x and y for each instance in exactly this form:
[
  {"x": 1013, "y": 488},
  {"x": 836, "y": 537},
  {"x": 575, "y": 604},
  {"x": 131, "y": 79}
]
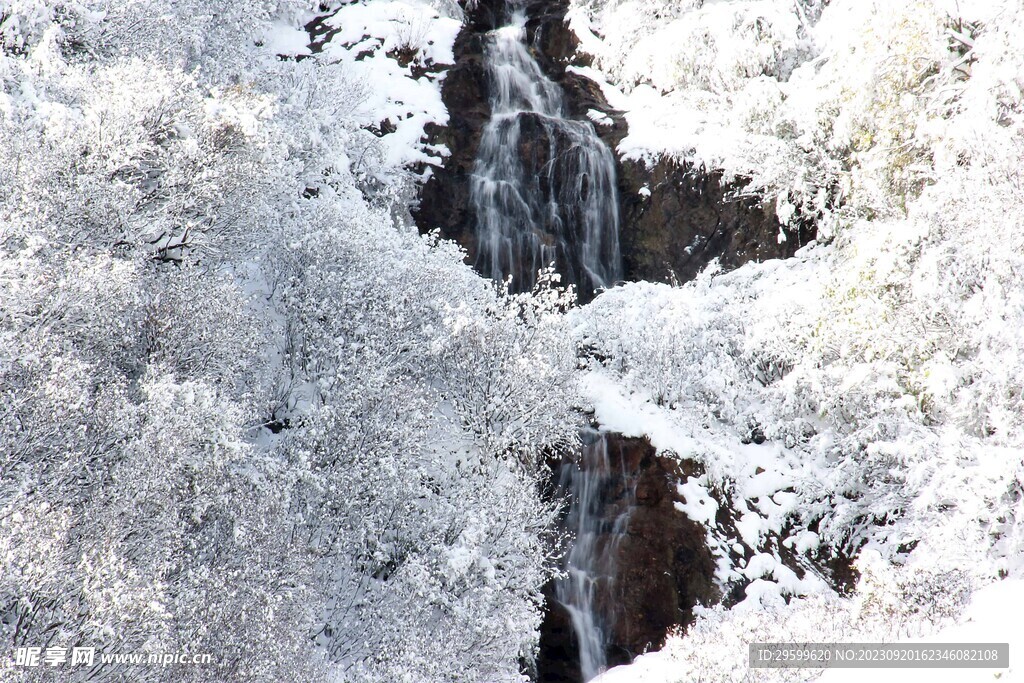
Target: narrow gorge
[{"x": 532, "y": 182}]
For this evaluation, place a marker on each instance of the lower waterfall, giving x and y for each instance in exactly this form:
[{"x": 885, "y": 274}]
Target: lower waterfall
[{"x": 601, "y": 500}]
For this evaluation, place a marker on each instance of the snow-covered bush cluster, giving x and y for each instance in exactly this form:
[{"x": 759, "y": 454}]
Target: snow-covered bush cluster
[
  {"x": 829, "y": 113},
  {"x": 244, "y": 410}
]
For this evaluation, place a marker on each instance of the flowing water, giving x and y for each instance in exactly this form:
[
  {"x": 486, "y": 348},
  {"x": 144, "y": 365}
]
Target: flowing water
[
  {"x": 602, "y": 498},
  {"x": 543, "y": 187},
  {"x": 544, "y": 193}
]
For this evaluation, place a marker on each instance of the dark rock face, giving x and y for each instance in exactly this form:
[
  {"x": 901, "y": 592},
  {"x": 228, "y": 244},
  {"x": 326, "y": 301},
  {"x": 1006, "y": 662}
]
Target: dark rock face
[
  {"x": 444, "y": 199},
  {"x": 690, "y": 216},
  {"x": 664, "y": 565}
]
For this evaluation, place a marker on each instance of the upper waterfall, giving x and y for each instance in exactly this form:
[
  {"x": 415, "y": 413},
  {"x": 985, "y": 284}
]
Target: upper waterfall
[{"x": 543, "y": 186}]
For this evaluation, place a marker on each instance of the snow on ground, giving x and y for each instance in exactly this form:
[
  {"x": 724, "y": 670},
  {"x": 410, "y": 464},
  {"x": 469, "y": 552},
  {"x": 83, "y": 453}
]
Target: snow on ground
[
  {"x": 716, "y": 647},
  {"x": 397, "y": 51},
  {"x": 993, "y": 616},
  {"x": 368, "y": 34}
]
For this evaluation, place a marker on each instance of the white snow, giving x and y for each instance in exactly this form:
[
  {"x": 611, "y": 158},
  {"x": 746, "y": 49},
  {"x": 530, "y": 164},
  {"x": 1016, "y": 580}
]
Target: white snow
[
  {"x": 369, "y": 35},
  {"x": 993, "y": 616},
  {"x": 631, "y": 416},
  {"x": 287, "y": 39},
  {"x": 699, "y": 505}
]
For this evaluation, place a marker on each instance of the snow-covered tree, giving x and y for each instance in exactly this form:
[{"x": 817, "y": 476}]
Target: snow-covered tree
[{"x": 234, "y": 401}]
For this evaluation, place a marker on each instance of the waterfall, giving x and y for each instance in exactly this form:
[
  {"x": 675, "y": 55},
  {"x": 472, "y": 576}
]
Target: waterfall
[
  {"x": 601, "y": 499},
  {"x": 543, "y": 190},
  {"x": 543, "y": 187}
]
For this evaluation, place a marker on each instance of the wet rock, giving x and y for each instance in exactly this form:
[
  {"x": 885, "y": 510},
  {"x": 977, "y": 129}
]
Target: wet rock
[
  {"x": 664, "y": 567},
  {"x": 444, "y": 199},
  {"x": 558, "y": 660}
]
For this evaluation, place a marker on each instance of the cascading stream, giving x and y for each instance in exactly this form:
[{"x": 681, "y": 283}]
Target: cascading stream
[
  {"x": 544, "y": 192},
  {"x": 602, "y": 499},
  {"x": 543, "y": 187}
]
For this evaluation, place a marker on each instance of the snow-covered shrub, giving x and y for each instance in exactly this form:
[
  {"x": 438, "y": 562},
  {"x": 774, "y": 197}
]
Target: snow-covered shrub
[
  {"x": 114, "y": 482},
  {"x": 135, "y": 155},
  {"x": 25, "y": 23},
  {"x": 213, "y": 36},
  {"x": 519, "y": 400},
  {"x": 829, "y": 110},
  {"x": 404, "y": 485}
]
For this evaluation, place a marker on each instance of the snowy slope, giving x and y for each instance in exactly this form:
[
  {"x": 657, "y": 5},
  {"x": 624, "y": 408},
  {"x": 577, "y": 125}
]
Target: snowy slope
[{"x": 883, "y": 366}]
